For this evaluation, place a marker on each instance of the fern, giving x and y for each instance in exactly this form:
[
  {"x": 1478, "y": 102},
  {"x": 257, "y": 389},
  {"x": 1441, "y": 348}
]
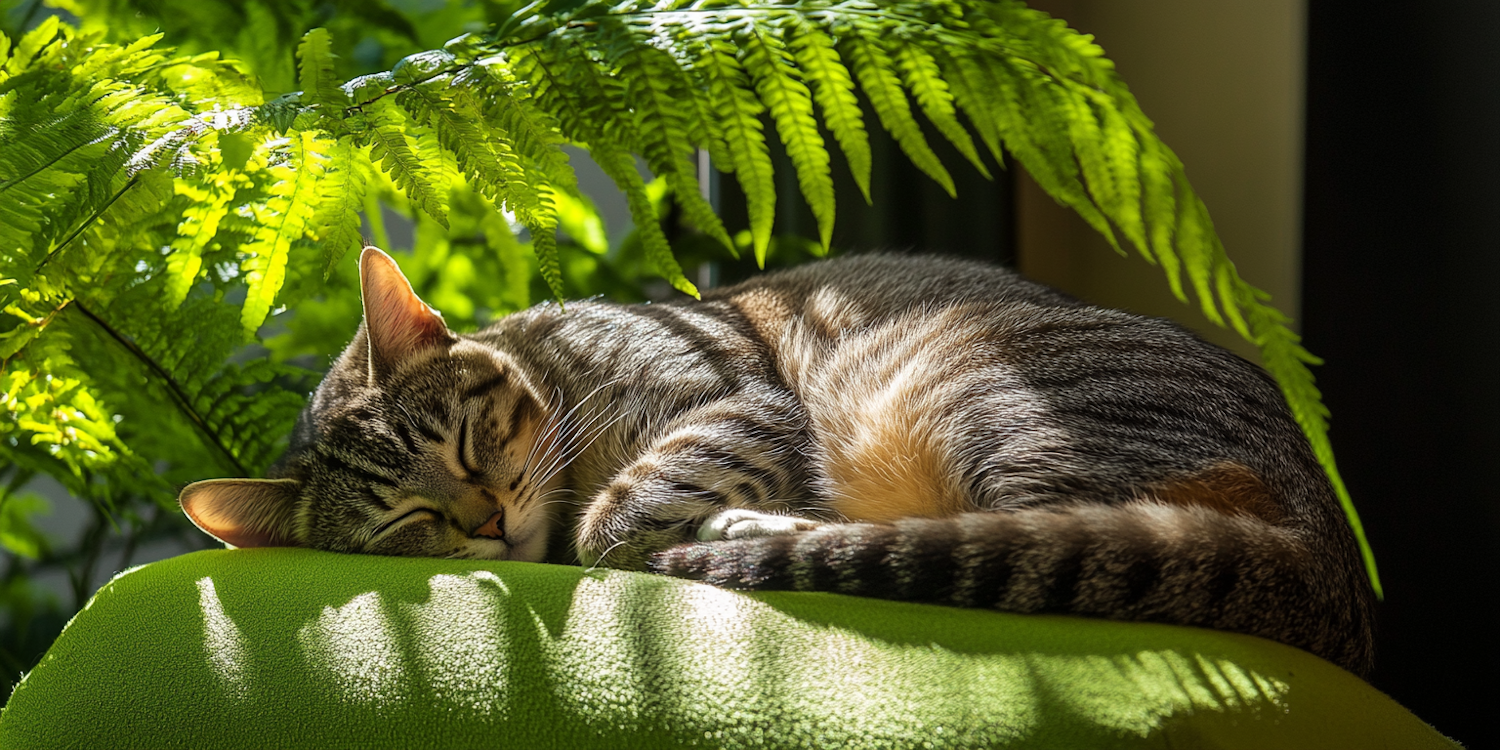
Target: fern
[
  {"x": 777, "y": 81},
  {"x": 132, "y": 175},
  {"x": 919, "y": 69},
  {"x": 343, "y": 189},
  {"x": 282, "y": 222},
  {"x": 877, "y": 75},
  {"x": 400, "y": 155},
  {"x": 656, "y": 87},
  {"x": 834, "y": 91},
  {"x": 200, "y": 222},
  {"x": 738, "y": 111}
]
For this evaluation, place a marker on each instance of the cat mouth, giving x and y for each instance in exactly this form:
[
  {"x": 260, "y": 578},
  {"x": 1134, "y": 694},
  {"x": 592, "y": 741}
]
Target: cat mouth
[{"x": 508, "y": 547}]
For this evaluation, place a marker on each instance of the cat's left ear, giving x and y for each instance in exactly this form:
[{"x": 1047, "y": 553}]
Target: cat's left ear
[
  {"x": 398, "y": 323},
  {"x": 244, "y": 512}
]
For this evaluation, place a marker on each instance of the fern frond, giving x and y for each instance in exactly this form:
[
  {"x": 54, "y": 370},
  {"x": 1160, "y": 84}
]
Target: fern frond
[
  {"x": 738, "y": 112},
  {"x": 484, "y": 157},
  {"x": 544, "y": 242},
  {"x": 833, "y": 88},
  {"x": 978, "y": 103},
  {"x": 237, "y": 408},
  {"x": 1158, "y": 165},
  {"x": 1039, "y": 135},
  {"x": 1288, "y": 361},
  {"x": 396, "y": 152},
  {"x": 621, "y": 168},
  {"x": 343, "y": 186},
  {"x": 776, "y": 79},
  {"x": 654, "y": 86},
  {"x": 315, "y": 70},
  {"x": 210, "y": 203},
  {"x": 876, "y": 72},
  {"x": 529, "y": 129},
  {"x": 920, "y": 71},
  {"x": 284, "y": 220},
  {"x": 1121, "y": 152},
  {"x": 1090, "y": 147}
]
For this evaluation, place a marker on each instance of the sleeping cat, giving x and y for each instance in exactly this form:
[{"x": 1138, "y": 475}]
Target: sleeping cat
[{"x": 901, "y": 427}]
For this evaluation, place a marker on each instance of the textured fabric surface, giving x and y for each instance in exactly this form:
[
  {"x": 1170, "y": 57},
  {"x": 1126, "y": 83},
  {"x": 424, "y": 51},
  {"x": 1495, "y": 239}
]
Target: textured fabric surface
[{"x": 294, "y": 648}]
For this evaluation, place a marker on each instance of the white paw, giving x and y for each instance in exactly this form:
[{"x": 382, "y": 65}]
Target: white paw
[{"x": 739, "y": 523}]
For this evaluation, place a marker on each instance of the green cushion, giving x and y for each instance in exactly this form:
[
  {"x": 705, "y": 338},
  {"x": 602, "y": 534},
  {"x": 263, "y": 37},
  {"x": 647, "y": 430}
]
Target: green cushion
[{"x": 294, "y": 648}]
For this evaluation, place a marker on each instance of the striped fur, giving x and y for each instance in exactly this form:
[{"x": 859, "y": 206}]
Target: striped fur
[{"x": 909, "y": 428}]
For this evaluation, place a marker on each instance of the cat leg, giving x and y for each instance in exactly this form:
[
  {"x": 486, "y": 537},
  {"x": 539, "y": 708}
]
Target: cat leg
[{"x": 741, "y": 455}]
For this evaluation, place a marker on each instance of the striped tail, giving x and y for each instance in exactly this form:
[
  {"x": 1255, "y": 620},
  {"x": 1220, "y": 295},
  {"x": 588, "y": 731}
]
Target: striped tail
[{"x": 1184, "y": 565}]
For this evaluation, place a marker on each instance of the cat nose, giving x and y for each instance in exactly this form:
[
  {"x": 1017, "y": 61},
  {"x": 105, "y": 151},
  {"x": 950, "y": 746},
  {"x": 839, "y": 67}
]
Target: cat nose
[{"x": 494, "y": 528}]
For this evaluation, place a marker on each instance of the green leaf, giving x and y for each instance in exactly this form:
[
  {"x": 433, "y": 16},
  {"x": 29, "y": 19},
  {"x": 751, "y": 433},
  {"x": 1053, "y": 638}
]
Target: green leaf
[
  {"x": 776, "y": 80},
  {"x": 875, "y": 70},
  {"x": 337, "y": 222},
  {"x": 655, "y": 86},
  {"x": 738, "y": 111},
  {"x": 316, "y": 70},
  {"x": 921, "y": 73},
  {"x": 211, "y": 199},
  {"x": 544, "y": 244},
  {"x": 284, "y": 219},
  {"x": 833, "y": 89},
  {"x": 397, "y": 152},
  {"x": 621, "y": 168}
]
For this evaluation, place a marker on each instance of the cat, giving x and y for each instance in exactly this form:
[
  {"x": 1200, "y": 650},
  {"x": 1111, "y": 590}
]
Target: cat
[{"x": 920, "y": 428}]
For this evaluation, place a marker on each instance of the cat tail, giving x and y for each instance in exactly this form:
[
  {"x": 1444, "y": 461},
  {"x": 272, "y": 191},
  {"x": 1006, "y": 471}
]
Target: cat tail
[{"x": 1184, "y": 565}]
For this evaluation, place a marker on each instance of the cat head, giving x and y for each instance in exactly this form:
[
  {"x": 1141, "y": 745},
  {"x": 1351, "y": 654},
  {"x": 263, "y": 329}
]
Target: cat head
[{"x": 418, "y": 442}]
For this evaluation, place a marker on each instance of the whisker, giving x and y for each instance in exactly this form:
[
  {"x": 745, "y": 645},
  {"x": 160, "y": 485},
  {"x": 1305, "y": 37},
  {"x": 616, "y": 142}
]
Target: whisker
[
  {"x": 579, "y": 443},
  {"x": 554, "y": 421},
  {"x": 576, "y": 439},
  {"x": 603, "y": 557},
  {"x": 557, "y": 394},
  {"x": 559, "y": 429},
  {"x": 533, "y": 500}
]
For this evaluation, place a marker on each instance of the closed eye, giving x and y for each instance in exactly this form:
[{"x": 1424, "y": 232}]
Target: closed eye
[
  {"x": 412, "y": 516},
  {"x": 463, "y": 447}
]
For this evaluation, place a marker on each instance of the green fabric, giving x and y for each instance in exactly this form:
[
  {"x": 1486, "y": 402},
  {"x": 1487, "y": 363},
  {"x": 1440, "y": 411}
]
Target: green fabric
[{"x": 293, "y": 648}]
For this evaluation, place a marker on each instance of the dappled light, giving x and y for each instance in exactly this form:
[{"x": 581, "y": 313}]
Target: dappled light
[
  {"x": 1164, "y": 685},
  {"x": 464, "y": 667},
  {"x": 356, "y": 645},
  {"x": 223, "y": 643},
  {"x": 598, "y": 656},
  {"x": 295, "y": 648}
]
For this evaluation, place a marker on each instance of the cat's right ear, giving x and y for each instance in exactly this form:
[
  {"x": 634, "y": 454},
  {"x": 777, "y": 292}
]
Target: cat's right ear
[
  {"x": 244, "y": 512},
  {"x": 398, "y": 323}
]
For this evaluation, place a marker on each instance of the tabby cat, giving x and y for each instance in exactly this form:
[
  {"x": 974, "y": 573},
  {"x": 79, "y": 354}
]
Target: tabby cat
[{"x": 900, "y": 427}]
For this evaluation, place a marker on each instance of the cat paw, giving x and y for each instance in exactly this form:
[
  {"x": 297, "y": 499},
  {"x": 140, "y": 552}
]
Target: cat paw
[{"x": 739, "y": 523}]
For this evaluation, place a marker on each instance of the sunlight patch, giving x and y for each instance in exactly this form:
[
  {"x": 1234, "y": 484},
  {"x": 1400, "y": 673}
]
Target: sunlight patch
[
  {"x": 464, "y": 667},
  {"x": 600, "y": 656},
  {"x": 222, "y": 640},
  {"x": 356, "y": 644}
]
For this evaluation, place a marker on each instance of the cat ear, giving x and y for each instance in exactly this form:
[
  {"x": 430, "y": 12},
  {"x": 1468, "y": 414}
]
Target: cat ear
[
  {"x": 398, "y": 322},
  {"x": 243, "y": 512}
]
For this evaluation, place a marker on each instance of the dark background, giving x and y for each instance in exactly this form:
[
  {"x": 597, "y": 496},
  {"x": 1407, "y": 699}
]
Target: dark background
[{"x": 1401, "y": 296}]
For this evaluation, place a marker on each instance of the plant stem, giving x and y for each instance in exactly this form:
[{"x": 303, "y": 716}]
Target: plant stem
[
  {"x": 173, "y": 387},
  {"x": 86, "y": 223}
]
